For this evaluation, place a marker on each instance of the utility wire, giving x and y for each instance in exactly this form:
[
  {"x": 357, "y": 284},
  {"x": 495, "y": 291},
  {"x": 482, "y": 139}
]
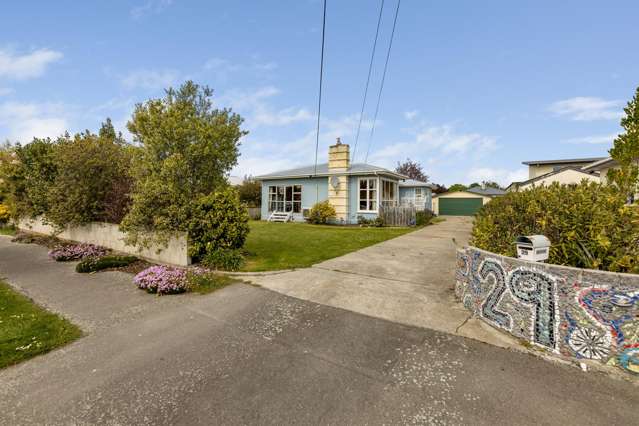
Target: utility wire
[
  {"x": 381, "y": 87},
  {"x": 368, "y": 80},
  {"x": 319, "y": 102}
]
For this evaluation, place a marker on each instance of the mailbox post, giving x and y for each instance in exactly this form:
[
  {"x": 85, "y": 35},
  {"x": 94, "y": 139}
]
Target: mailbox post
[{"x": 534, "y": 248}]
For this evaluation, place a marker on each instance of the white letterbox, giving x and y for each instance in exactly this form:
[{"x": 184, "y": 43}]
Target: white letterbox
[{"x": 533, "y": 247}]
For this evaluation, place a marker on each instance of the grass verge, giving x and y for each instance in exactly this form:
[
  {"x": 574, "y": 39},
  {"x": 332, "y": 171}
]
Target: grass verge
[
  {"x": 7, "y": 230},
  {"x": 272, "y": 246},
  {"x": 27, "y": 330},
  {"x": 209, "y": 282}
]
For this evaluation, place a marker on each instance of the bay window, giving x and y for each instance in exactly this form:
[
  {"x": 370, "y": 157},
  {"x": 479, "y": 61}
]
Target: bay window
[
  {"x": 285, "y": 198},
  {"x": 389, "y": 193}
]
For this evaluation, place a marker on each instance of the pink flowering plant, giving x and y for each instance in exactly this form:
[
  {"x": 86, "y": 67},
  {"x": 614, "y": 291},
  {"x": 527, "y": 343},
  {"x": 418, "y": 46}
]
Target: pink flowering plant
[
  {"x": 162, "y": 279},
  {"x": 76, "y": 252}
]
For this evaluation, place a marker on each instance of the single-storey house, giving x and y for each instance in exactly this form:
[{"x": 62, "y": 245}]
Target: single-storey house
[
  {"x": 352, "y": 189},
  {"x": 567, "y": 171},
  {"x": 464, "y": 203}
]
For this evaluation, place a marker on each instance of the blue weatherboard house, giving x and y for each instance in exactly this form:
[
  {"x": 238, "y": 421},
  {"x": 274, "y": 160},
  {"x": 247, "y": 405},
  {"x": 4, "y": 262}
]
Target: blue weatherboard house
[{"x": 352, "y": 189}]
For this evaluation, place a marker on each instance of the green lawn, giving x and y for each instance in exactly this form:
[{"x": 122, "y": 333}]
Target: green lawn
[
  {"x": 27, "y": 330},
  {"x": 271, "y": 246}
]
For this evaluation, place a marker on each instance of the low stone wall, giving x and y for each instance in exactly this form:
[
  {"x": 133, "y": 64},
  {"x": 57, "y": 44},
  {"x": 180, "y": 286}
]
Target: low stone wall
[
  {"x": 108, "y": 235},
  {"x": 576, "y": 313}
]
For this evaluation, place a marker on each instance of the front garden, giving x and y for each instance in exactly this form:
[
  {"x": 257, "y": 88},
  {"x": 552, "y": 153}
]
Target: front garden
[{"x": 273, "y": 246}]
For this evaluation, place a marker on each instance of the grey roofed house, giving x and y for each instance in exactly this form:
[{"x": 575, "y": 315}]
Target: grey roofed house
[{"x": 415, "y": 183}]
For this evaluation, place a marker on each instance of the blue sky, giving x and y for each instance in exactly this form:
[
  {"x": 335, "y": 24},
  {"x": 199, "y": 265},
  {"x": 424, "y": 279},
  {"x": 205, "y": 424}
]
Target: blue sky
[{"x": 472, "y": 90}]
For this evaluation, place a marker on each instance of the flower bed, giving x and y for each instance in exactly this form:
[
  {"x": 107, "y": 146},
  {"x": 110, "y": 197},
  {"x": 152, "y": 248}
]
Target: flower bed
[
  {"x": 162, "y": 279},
  {"x": 76, "y": 252}
]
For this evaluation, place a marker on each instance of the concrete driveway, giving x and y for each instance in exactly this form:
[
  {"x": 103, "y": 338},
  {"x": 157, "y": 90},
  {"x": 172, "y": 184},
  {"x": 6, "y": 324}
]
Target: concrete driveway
[{"x": 409, "y": 279}]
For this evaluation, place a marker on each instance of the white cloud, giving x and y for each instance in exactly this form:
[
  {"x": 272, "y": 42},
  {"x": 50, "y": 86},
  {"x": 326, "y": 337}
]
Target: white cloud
[
  {"x": 592, "y": 140},
  {"x": 587, "y": 109},
  {"x": 502, "y": 176},
  {"x": 411, "y": 115},
  {"x": 4, "y": 91},
  {"x": 258, "y": 112},
  {"x": 24, "y": 121},
  {"x": 30, "y": 65},
  {"x": 150, "y": 7},
  {"x": 150, "y": 79}
]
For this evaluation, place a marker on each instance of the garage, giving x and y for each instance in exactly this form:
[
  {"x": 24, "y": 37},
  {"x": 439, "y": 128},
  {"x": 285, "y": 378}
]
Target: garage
[
  {"x": 459, "y": 206},
  {"x": 464, "y": 203}
]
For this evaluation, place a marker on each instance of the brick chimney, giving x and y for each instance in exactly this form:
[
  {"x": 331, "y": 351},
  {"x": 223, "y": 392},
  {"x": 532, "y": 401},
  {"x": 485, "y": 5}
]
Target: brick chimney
[
  {"x": 339, "y": 156},
  {"x": 338, "y": 162}
]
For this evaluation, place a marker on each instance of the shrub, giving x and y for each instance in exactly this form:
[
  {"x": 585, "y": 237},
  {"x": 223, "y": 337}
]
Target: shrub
[
  {"x": 162, "y": 279},
  {"x": 224, "y": 259},
  {"x": 588, "y": 224},
  {"x": 76, "y": 252},
  {"x": 376, "y": 222},
  {"x": 219, "y": 222},
  {"x": 99, "y": 263},
  {"x": 321, "y": 213},
  {"x": 423, "y": 217},
  {"x": 5, "y": 215}
]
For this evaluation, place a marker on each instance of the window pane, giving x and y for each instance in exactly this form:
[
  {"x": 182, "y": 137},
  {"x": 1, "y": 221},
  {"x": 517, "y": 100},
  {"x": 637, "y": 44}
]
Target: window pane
[
  {"x": 373, "y": 205},
  {"x": 271, "y": 189},
  {"x": 362, "y": 184},
  {"x": 372, "y": 183},
  {"x": 297, "y": 207},
  {"x": 297, "y": 188},
  {"x": 363, "y": 205},
  {"x": 289, "y": 193},
  {"x": 362, "y": 194},
  {"x": 297, "y": 196}
]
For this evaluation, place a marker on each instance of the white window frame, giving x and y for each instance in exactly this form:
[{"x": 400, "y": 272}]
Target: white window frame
[
  {"x": 368, "y": 200},
  {"x": 395, "y": 185},
  {"x": 284, "y": 202}
]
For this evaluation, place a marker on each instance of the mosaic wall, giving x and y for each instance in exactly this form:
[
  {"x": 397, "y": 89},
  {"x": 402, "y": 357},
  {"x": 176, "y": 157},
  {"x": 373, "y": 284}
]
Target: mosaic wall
[{"x": 577, "y": 313}]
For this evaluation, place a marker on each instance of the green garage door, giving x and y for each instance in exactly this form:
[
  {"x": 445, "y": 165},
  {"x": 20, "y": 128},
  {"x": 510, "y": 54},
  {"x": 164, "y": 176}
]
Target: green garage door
[{"x": 459, "y": 206}]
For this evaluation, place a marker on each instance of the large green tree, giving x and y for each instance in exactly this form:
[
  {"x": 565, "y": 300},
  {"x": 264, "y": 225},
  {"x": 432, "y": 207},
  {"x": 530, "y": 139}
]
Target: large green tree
[
  {"x": 92, "y": 180},
  {"x": 186, "y": 148},
  {"x": 26, "y": 174},
  {"x": 626, "y": 151}
]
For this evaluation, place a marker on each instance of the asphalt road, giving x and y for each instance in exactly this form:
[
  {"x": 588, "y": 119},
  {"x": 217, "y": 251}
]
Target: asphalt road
[{"x": 247, "y": 355}]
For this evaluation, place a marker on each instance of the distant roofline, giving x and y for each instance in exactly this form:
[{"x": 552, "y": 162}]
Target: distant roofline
[
  {"x": 563, "y": 161},
  {"x": 554, "y": 172},
  {"x": 597, "y": 165}
]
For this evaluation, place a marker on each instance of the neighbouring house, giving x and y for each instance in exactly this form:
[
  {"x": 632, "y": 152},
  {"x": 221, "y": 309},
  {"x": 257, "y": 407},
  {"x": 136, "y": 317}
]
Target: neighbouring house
[
  {"x": 352, "y": 189},
  {"x": 464, "y": 203},
  {"x": 568, "y": 171}
]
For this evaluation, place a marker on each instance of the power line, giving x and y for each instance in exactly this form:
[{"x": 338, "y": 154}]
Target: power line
[
  {"x": 368, "y": 79},
  {"x": 319, "y": 101},
  {"x": 381, "y": 87}
]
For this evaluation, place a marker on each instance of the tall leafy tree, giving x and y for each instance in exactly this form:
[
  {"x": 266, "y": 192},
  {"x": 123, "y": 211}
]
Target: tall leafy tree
[
  {"x": 91, "y": 170},
  {"x": 626, "y": 151},
  {"x": 412, "y": 169},
  {"x": 250, "y": 192},
  {"x": 186, "y": 148},
  {"x": 27, "y": 173},
  {"x": 457, "y": 187}
]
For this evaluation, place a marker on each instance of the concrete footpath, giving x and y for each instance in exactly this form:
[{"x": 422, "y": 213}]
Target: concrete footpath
[{"x": 409, "y": 279}]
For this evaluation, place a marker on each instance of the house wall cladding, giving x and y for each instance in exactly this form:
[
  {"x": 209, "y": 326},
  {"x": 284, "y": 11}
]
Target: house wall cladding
[
  {"x": 109, "y": 235},
  {"x": 576, "y": 313}
]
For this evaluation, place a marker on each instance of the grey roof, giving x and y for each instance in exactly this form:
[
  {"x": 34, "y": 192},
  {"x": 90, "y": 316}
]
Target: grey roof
[
  {"x": 322, "y": 170},
  {"x": 409, "y": 183},
  {"x": 564, "y": 161},
  {"x": 601, "y": 164},
  {"x": 488, "y": 191}
]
